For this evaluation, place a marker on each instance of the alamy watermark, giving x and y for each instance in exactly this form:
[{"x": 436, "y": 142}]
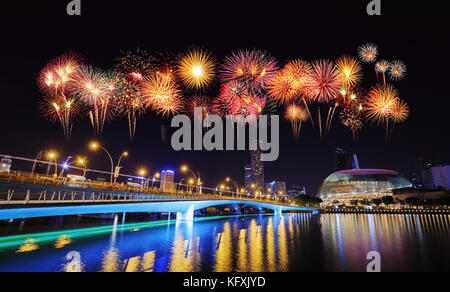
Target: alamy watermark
[
  {"x": 374, "y": 8},
  {"x": 214, "y": 138},
  {"x": 74, "y": 8},
  {"x": 374, "y": 265}
]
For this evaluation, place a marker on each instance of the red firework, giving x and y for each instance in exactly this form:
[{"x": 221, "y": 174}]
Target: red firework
[
  {"x": 326, "y": 81},
  {"x": 254, "y": 68},
  {"x": 198, "y": 101}
]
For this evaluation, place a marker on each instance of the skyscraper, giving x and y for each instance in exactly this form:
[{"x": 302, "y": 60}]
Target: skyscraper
[
  {"x": 346, "y": 160},
  {"x": 254, "y": 173}
]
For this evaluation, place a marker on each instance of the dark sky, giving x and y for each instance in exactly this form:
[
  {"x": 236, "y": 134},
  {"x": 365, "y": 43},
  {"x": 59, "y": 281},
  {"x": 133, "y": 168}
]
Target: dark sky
[{"x": 33, "y": 35}]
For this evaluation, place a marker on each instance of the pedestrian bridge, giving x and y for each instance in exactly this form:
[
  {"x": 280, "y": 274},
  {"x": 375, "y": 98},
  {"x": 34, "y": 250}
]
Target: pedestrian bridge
[
  {"x": 31, "y": 202},
  {"x": 184, "y": 209}
]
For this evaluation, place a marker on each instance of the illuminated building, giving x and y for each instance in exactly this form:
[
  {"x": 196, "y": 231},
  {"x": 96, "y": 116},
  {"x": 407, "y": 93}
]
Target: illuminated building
[
  {"x": 361, "y": 184},
  {"x": 279, "y": 188},
  {"x": 435, "y": 177},
  {"x": 167, "y": 181},
  {"x": 254, "y": 173},
  {"x": 346, "y": 160}
]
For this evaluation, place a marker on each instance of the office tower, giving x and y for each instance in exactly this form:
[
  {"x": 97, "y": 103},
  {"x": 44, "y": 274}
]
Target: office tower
[{"x": 346, "y": 160}]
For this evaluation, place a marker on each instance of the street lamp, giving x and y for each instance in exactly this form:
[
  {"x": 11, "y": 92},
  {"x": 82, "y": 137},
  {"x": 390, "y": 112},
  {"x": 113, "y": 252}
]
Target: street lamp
[
  {"x": 185, "y": 169},
  {"x": 116, "y": 174},
  {"x": 142, "y": 173},
  {"x": 95, "y": 146},
  {"x": 235, "y": 185},
  {"x": 83, "y": 163},
  {"x": 52, "y": 157}
]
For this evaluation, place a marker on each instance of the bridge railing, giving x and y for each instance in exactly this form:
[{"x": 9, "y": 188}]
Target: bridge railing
[{"x": 14, "y": 198}]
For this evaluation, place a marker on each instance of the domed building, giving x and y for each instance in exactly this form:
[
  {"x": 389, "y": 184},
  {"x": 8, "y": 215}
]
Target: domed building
[{"x": 361, "y": 184}]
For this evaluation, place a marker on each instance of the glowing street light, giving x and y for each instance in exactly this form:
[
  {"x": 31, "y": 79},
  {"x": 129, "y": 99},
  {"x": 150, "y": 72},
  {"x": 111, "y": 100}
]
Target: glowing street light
[
  {"x": 95, "y": 146},
  {"x": 81, "y": 161},
  {"x": 185, "y": 169},
  {"x": 52, "y": 156},
  {"x": 116, "y": 173}
]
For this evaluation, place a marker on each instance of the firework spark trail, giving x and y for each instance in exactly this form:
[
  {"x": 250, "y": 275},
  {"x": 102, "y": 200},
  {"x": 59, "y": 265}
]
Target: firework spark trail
[
  {"x": 296, "y": 115},
  {"x": 54, "y": 81},
  {"x": 131, "y": 70}
]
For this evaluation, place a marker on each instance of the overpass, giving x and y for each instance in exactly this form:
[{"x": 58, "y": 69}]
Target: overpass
[{"x": 21, "y": 201}]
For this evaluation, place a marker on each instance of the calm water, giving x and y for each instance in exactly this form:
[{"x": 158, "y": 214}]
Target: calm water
[{"x": 294, "y": 242}]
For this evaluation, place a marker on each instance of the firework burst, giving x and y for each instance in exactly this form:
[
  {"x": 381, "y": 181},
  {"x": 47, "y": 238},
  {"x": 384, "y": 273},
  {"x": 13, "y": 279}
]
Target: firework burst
[
  {"x": 326, "y": 81},
  {"x": 254, "y": 68},
  {"x": 196, "y": 69},
  {"x": 203, "y": 102},
  {"x": 397, "y": 70},
  {"x": 350, "y": 70},
  {"x": 352, "y": 119},
  {"x": 368, "y": 53},
  {"x": 131, "y": 70},
  {"x": 96, "y": 89},
  {"x": 297, "y": 115},
  {"x": 162, "y": 95},
  {"x": 291, "y": 82},
  {"x": 55, "y": 81}
]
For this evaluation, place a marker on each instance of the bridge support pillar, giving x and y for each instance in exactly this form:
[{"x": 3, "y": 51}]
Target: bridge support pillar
[
  {"x": 278, "y": 212},
  {"x": 187, "y": 215}
]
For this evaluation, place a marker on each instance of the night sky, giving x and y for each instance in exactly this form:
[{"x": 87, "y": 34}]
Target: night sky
[{"x": 33, "y": 35}]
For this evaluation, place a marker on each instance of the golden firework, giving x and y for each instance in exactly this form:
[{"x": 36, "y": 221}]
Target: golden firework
[
  {"x": 349, "y": 69},
  {"x": 197, "y": 69}
]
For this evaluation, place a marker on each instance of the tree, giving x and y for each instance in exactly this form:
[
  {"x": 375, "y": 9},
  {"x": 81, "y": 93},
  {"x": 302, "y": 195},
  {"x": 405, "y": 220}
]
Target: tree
[
  {"x": 413, "y": 201},
  {"x": 388, "y": 200},
  {"x": 377, "y": 202}
]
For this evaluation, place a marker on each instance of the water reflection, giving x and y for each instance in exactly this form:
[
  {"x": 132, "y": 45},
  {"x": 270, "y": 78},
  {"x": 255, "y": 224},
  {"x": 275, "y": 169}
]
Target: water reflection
[{"x": 294, "y": 242}]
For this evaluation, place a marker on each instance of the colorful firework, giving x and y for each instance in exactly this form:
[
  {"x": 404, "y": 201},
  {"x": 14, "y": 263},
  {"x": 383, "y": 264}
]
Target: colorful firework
[
  {"x": 254, "y": 68},
  {"x": 97, "y": 91},
  {"x": 326, "y": 81},
  {"x": 352, "y": 119},
  {"x": 368, "y": 53},
  {"x": 291, "y": 82},
  {"x": 162, "y": 95},
  {"x": 55, "y": 81},
  {"x": 296, "y": 115},
  {"x": 350, "y": 70},
  {"x": 132, "y": 69},
  {"x": 381, "y": 101},
  {"x": 203, "y": 102},
  {"x": 399, "y": 113},
  {"x": 196, "y": 69},
  {"x": 397, "y": 70}
]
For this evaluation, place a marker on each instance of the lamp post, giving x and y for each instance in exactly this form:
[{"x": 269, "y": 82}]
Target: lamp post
[
  {"x": 235, "y": 185},
  {"x": 83, "y": 163},
  {"x": 185, "y": 169},
  {"x": 52, "y": 157},
  {"x": 116, "y": 174},
  {"x": 96, "y": 146}
]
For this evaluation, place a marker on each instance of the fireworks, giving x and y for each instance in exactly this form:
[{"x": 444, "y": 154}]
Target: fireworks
[
  {"x": 350, "y": 70},
  {"x": 326, "y": 81},
  {"x": 368, "y": 53},
  {"x": 296, "y": 115},
  {"x": 196, "y": 69},
  {"x": 55, "y": 81},
  {"x": 381, "y": 101},
  {"x": 352, "y": 119},
  {"x": 291, "y": 82},
  {"x": 162, "y": 95},
  {"x": 397, "y": 70},
  {"x": 96, "y": 89},
  {"x": 132, "y": 69},
  {"x": 198, "y": 101},
  {"x": 400, "y": 111},
  {"x": 382, "y": 66},
  {"x": 254, "y": 68}
]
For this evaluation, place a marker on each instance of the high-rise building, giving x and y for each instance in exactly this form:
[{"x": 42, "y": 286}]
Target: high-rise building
[
  {"x": 346, "y": 160},
  {"x": 167, "y": 181},
  {"x": 254, "y": 173},
  {"x": 434, "y": 177}
]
